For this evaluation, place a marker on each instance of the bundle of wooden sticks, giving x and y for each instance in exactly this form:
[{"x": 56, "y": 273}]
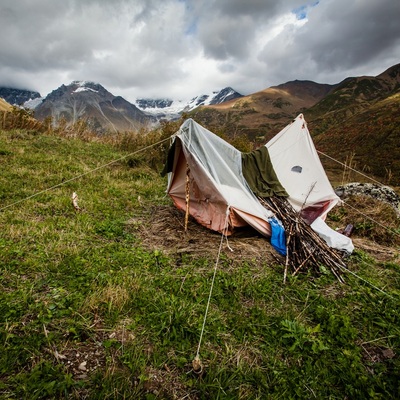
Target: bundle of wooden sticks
[{"x": 305, "y": 249}]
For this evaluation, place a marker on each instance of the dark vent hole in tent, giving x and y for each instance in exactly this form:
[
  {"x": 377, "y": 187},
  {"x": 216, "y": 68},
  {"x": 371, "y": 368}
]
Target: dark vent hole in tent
[{"x": 297, "y": 169}]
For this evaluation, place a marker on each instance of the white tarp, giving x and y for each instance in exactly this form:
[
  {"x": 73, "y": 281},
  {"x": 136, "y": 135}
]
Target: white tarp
[{"x": 333, "y": 239}]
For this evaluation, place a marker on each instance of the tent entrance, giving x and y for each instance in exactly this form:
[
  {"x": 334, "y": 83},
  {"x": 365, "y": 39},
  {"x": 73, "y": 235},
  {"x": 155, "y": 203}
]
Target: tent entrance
[{"x": 207, "y": 205}]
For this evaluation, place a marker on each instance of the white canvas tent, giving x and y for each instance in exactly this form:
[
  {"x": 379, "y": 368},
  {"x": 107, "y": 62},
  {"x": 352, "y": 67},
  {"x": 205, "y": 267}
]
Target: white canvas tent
[
  {"x": 300, "y": 171},
  {"x": 208, "y": 172},
  {"x": 218, "y": 191}
]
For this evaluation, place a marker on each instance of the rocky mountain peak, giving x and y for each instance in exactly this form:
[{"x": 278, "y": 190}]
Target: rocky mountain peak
[
  {"x": 79, "y": 88},
  {"x": 17, "y": 96},
  {"x": 90, "y": 101},
  {"x": 225, "y": 94}
]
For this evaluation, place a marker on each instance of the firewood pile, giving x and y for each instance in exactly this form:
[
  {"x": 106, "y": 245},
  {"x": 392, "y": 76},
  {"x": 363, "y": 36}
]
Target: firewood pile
[{"x": 305, "y": 249}]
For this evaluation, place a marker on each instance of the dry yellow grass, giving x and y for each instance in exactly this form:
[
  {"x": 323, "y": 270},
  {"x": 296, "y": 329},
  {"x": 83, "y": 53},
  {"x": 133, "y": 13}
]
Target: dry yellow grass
[{"x": 4, "y": 106}]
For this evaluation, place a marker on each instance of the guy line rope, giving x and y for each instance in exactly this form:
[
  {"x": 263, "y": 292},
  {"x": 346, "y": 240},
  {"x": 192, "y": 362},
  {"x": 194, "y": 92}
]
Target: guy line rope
[
  {"x": 365, "y": 176},
  {"x": 347, "y": 166},
  {"x": 196, "y": 363},
  {"x": 85, "y": 173}
]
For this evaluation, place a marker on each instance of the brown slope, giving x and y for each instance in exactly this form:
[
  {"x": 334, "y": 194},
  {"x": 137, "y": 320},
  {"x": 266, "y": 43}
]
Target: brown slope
[
  {"x": 358, "y": 123},
  {"x": 353, "y": 96},
  {"x": 263, "y": 113},
  {"x": 260, "y": 115},
  {"x": 4, "y": 106},
  {"x": 391, "y": 77}
]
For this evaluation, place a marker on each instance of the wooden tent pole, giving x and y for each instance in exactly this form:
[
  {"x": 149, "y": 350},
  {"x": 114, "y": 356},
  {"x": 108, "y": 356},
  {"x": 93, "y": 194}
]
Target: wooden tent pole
[{"x": 187, "y": 196}]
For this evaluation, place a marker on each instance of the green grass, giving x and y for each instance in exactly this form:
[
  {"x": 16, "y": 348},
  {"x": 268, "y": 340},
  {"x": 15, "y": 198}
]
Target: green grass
[{"x": 88, "y": 312}]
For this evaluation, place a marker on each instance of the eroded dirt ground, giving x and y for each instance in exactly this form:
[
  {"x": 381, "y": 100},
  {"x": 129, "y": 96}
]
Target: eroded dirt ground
[{"x": 163, "y": 228}]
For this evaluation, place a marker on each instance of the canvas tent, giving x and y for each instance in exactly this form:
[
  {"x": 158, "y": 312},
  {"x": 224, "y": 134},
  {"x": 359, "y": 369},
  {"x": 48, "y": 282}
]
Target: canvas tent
[
  {"x": 220, "y": 185},
  {"x": 300, "y": 171}
]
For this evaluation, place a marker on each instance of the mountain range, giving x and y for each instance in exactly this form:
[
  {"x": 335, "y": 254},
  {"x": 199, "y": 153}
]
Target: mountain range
[
  {"x": 18, "y": 96},
  {"x": 173, "y": 109},
  {"x": 105, "y": 112},
  {"x": 358, "y": 118}
]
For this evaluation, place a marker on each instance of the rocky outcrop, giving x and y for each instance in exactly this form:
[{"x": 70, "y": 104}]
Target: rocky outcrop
[{"x": 377, "y": 192}]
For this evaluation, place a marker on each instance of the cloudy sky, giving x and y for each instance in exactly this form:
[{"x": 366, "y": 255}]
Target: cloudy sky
[{"x": 182, "y": 48}]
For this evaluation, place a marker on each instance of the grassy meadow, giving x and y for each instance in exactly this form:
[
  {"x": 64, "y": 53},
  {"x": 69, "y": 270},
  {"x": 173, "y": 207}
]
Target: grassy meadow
[{"x": 88, "y": 311}]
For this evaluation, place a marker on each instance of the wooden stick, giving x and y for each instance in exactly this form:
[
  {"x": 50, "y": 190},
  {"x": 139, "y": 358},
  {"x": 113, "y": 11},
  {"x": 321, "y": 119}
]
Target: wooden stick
[{"x": 187, "y": 196}]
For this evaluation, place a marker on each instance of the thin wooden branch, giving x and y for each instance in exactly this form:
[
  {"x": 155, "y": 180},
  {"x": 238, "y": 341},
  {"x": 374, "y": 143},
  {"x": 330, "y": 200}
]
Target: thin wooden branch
[{"x": 187, "y": 195}]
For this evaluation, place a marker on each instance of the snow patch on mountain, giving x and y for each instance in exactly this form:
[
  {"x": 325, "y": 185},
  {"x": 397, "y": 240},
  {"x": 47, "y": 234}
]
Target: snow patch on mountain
[
  {"x": 172, "y": 109},
  {"x": 84, "y": 89},
  {"x": 161, "y": 108},
  {"x": 31, "y": 104}
]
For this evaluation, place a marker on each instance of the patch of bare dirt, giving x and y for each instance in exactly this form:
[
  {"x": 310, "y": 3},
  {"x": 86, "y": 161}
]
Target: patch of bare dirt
[
  {"x": 377, "y": 251},
  {"x": 97, "y": 353},
  {"x": 374, "y": 354},
  {"x": 166, "y": 383},
  {"x": 82, "y": 359},
  {"x": 163, "y": 228}
]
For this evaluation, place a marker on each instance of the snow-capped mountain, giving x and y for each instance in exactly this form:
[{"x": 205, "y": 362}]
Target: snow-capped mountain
[
  {"x": 89, "y": 101},
  {"x": 105, "y": 112},
  {"x": 172, "y": 109},
  {"x": 161, "y": 108},
  {"x": 217, "y": 97}
]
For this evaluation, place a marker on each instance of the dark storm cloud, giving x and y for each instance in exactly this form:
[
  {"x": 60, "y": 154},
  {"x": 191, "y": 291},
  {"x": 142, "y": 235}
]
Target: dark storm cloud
[
  {"x": 340, "y": 39},
  {"x": 228, "y": 28},
  {"x": 357, "y": 35}
]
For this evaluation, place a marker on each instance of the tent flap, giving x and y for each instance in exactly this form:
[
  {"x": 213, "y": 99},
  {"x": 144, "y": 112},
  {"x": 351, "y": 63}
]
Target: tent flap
[{"x": 260, "y": 174}]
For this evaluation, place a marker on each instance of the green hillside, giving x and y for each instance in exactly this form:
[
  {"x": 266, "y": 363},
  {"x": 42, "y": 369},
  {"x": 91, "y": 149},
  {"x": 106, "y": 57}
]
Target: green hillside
[
  {"x": 108, "y": 300},
  {"x": 369, "y": 138}
]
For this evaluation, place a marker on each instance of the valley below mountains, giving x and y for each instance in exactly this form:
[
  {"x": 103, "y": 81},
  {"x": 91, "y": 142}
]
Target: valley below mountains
[{"x": 356, "y": 121}]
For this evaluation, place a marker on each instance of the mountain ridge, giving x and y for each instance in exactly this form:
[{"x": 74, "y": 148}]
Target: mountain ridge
[
  {"x": 90, "y": 101},
  {"x": 17, "y": 97},
  {"x": 357, "y": 118},
  {"x": 172, "y": 109}
]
